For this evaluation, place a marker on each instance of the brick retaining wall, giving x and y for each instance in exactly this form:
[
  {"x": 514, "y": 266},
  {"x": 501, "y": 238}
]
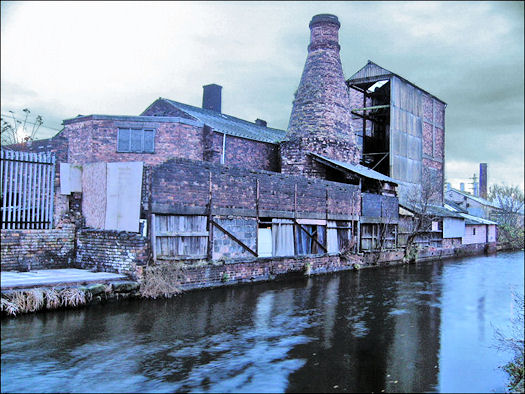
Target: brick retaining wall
[
  {"x": 38, "y": 249},
  {"x": 111, "y": 251}
]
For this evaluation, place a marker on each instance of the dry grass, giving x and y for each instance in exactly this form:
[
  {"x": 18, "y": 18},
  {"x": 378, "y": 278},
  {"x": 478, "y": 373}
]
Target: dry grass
[
  {"x": 34, "y": 300},
  {"x": 72, "y": 297},
  {"x": 52, "y": 298},
  {"x": 161, "y": 281},
  {"x": 9, "y": 307}
]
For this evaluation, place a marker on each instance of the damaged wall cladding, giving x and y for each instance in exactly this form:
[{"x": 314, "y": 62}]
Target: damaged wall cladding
[{"x": 238, "y": 196}]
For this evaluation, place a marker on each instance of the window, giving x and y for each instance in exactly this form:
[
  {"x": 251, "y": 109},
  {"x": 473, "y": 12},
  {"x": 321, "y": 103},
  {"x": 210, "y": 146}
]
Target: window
[
  {"x": 136, "y": 140},
  {"x": 473, "y": 230},
  {"x": 308, "y": 235}
]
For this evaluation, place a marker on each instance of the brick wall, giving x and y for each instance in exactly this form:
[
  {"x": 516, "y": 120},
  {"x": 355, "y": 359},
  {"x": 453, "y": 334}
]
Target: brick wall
[
  {"x": 92, "y": 139},
  {"x": 41, "y": 249},
  {"x": 186, "y": 183},
  {"x": 260, "y": 270},
  {"x": 111, "y": 251}
]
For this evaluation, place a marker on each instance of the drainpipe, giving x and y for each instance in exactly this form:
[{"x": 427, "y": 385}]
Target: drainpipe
[{"x": 223, "y": 148}]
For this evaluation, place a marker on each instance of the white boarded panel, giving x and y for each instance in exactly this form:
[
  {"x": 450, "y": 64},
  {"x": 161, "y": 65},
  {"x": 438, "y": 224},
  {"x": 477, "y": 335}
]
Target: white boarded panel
[
  {"x": 453, "y": 227},
  {"x": 65, "y": 187},
  {"x": 94, "y": 194},
  {"x": 75, "y": 178},
  {"x": 124, "y": 185}
]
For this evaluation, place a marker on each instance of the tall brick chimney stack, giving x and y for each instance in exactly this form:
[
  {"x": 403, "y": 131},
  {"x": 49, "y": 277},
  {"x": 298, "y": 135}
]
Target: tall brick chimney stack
[{"x": 320, "y": 121}]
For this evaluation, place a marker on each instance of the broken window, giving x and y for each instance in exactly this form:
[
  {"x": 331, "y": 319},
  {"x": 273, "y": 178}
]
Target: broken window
[
  {"x": 136, "y": 140},
  {"x": 339, "y": 236},
  {"x": 264, "y": 237},
  {"x": 310, "y": 234}
]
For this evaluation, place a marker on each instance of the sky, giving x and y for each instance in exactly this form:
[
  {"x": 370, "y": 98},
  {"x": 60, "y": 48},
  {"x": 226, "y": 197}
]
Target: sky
[{"x": 63, "y": 59}]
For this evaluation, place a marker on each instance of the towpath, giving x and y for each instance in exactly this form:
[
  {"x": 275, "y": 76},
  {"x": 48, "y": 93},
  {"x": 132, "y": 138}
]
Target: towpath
[{"x": 55, "y": 277}]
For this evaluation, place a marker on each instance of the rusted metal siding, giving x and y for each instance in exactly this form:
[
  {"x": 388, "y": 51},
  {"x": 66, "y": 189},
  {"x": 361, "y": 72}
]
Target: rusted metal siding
[{"x": 406, "y": 133}]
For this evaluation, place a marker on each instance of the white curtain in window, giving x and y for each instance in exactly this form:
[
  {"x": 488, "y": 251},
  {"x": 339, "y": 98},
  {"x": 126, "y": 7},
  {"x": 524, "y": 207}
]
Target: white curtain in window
[
  {"x": 331, "y": 232},
  {"x": 282, "y": 237}
]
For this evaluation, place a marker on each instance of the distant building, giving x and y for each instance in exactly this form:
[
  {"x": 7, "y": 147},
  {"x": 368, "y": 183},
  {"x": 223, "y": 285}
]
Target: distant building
[{"x": 473, "y": 205}]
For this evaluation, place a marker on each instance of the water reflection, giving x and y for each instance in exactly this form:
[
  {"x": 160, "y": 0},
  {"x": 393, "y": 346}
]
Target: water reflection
[{"x": 401, "y": 329}]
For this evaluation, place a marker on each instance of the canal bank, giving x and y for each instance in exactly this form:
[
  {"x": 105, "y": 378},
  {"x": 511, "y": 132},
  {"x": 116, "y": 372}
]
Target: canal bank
[{"x": 24, "y": 292}]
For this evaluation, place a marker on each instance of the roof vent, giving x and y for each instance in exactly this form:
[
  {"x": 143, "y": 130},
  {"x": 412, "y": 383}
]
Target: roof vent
[{"x": 260, "y": 122}]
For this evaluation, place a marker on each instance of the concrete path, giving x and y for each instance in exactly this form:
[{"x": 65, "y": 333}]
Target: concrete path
[{"x": 37, "y": 278}]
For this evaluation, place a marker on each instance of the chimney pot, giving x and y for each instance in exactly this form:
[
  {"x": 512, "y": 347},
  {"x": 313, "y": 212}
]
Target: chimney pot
[
  {"x": 211, "y": 97},
  {"x": 260, "y": 122}
]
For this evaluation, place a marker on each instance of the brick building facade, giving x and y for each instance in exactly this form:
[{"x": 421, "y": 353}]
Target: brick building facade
[{"x": 216, "y": 186}]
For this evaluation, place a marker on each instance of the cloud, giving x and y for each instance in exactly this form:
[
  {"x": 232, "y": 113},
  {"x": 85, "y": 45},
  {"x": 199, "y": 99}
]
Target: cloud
[{"x": 63, "y": 59}]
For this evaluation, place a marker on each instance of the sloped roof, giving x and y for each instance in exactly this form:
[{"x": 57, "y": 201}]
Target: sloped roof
[
  {"x": 453, "y": 206},
  {"x": 231, "y": 125},
  {"x": 357, "y": 168},
  {"x": 469, "y": 219},
  {"x": 433, "y": 210},
  {"x": 373, "y": 71},
  {"x": 480, "y": 200}
]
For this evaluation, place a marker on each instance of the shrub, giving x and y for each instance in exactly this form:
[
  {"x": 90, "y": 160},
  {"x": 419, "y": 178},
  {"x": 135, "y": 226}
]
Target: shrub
[{"x": 162, "y": 280}]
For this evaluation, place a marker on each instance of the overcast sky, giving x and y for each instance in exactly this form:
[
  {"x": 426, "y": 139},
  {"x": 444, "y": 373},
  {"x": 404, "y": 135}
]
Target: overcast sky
[{"x": 63, "y": 59}]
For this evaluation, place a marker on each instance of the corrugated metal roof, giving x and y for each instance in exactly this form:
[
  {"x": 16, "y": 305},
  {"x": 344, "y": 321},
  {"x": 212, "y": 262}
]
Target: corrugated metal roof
[
  {"x": 372, "y": 71},
  {"x": 433, "y": 210},
  {"x": 482, "y": 201},
  {"x": 358, "y": 169},
  {"x": 469, "y": 219},
  {"x": 231, "y": 125},
  {"x": 453, "y": 206}
]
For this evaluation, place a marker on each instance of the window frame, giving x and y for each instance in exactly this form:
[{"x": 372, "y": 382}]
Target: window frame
[{"x": 142, "y": 131}]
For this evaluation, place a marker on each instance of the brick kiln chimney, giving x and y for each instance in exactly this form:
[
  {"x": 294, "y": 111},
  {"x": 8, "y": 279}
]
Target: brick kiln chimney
[
  {"x": 483, "y": 180},
  {"x": 211, "y": 97},
  {"x": 320, "y": 121}
]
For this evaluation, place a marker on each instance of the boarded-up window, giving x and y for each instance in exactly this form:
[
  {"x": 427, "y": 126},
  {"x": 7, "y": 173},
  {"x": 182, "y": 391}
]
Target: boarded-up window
[
  {"x": 180, "y": 236},
  {"x": 282, "y": 237},
  {"x": 136, "y": 140},
  {"x": 339, "y": 236},
  {"x": 306, "y": 236}
]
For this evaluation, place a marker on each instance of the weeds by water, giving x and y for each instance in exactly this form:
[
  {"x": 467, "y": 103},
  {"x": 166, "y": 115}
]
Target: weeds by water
[
  {"x": 161, "y": 281},
  {"x": 24, "y": 301}
]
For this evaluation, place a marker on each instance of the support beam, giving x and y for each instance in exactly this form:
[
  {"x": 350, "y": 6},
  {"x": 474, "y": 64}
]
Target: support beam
[
  {"x": 233, "y": 237},
  {"x": 311, "y": 236},
  {"x": 370, "y": 108}
]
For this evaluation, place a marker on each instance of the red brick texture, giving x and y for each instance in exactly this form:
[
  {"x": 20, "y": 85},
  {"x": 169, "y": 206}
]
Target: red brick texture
[
  {"x": 320, "y": 121},
  {"x": 181, "y": 182}
]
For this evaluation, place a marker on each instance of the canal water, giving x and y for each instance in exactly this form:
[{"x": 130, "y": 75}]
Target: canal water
[{"x": 426, "y": 327}]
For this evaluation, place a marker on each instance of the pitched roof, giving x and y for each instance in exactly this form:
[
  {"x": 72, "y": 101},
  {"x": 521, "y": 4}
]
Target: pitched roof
[
  {"x": 480, "y": 200},
  {"x": 453, "y": 206},
  {"x": 357, "y": 168},
  {"x": 469, "y": 219},
  {"x": 230, "y": 125},
  {"x": 372, "y": 71},
  {"x": 433, "y": 210}
]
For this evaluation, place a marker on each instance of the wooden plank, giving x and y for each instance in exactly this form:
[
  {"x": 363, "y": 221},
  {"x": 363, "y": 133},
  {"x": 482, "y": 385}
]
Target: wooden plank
[
  {"x": 209, "y": 246},
  {"x": 233, "y": 237},
  {"x": 153, "y": 237},
  {"x": 183, "y": 234}
]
